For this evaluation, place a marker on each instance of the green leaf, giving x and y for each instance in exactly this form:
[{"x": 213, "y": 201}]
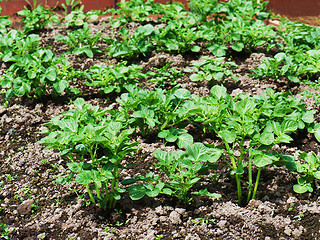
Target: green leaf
[
  {"x": 60, "y": 86},
  {"x": 308, "y": 116},
  {"x": 204, "y": 192},
  {"x": 195, "y": 48},
  {"x": 129, "y": 181},
  {"x": 228, "y": 136},
  {"x": 19, "y": 92},
  {"x": 316, "y": 174},
  {"x": 137, "y": 192},
  {"x": 289, "y": 126},
  {"x": 182, "y": 93},
  {"x": 163, "y": 134},
  {"x": 84, "y": 177},
  {"x": 88, "y": 52},
  {"x": 266, "y": 138},
  {"x": 264, "y": 159},
  {"x": 218, "y": 91},
  {"x": 317, "y": 134},
  {"x": 280, "y": 56},
  {"x": 195, "y": 77},
  {"x": 75, "y": 167},
  {"x": 69, "y": 124},
  {"x": 51, "y": 73},
  {"x": 284, "y": 138},
  {"x": 185, "y": 140},
  {"x": 300, "y": 188},
  {"x": 237, "y": 46},
  {"x": 79, "y": 103},
  {"x": 167, "y": 191},
  {"x": 240, "y": 169}
]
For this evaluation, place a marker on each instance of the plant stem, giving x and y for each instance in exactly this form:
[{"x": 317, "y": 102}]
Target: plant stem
[
  {"x": 234, "y": 165},
  {"x": 249, "y": 176},
  {"x": 98, "y": 195},
  {"x": 239, "y": 188},
  {"x": 114, "y": 185},
  {"x": 90, "y": 193},
  {"x": 257, "y": 182}
]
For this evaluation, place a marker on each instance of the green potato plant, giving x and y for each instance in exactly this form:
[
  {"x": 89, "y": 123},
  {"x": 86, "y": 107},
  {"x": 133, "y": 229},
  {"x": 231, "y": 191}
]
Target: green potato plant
[
  {"x": 293, "y": 67},
  {"x": 5, "y": 22},
  {"x": 140, "y": 43},
  {"x": 78, "y": 19},
  {"x": 113, "y": 78},
  {"x": 37, "y": 18},
  {"x": 94, "y": 146},
  {"x": 309, "y": 172},
  {"x": 211, "y": 70},
  {"x": 182, "y": 168},
  {"x": 181, "y": 136},
  {"x": 132, "y": 11},
  {"x": 81, "y": 42},
  {"x": 179, "y": 36},
  {"x": 158, "y": 108},
  {"x": 244, "y": 35},
  {"x": 36, "y": 74},
  {"x": 165, "y": 75},
  {"x": 249, "y": 127},
  {"x": 14, "y": 45},
  {"x": 70, "y": 5},
  {"x": 298, "y": 37}
]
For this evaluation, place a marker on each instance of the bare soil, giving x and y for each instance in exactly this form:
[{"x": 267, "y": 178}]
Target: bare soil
[{"x": 35, "y": 207}]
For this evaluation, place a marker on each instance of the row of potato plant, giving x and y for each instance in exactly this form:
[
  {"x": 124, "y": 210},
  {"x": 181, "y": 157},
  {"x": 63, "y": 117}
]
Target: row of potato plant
[
  {"x": 178, "y": 23},
  {"x": 95, "y": 143}
]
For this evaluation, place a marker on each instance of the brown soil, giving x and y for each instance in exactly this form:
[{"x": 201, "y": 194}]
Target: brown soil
[{"x": 34, "y": 207}]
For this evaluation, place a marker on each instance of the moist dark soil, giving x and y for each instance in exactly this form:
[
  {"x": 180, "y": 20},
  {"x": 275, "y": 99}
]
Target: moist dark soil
[{"x": 33, "y": 206}]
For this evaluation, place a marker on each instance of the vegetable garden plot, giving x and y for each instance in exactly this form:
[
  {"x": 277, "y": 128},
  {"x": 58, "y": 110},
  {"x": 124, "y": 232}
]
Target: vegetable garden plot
[{"x": 188, "y": 126}]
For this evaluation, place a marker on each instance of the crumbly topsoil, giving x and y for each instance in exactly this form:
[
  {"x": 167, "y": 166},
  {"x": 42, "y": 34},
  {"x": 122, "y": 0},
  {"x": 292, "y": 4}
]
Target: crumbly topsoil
[{"x": 34, "y": 207}]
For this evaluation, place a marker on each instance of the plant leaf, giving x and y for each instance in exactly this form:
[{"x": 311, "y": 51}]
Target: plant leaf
[{"x": 137, "y": 192}]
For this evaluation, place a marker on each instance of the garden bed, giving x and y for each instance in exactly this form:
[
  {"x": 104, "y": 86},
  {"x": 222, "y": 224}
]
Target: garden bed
[{"x": 34, "y": 206}]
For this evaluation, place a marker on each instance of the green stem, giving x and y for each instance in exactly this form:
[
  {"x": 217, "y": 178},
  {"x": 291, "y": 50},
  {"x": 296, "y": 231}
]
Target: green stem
[
  {"x": 234, "y": 165},
  {"x": 90, "y": 193},
  {"x": 241, "y": 150},
  {"x": 239, "y": 188},
  {"x": 249, "y": 176},
  {"x": 98, "y": 195},
  {"x": 257, "y": 182},
  {"x": 114, "y": 185}
]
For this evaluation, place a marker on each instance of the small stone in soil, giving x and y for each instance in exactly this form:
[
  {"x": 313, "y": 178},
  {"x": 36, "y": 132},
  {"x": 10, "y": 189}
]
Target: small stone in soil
[{"x": 25, "y": 207}]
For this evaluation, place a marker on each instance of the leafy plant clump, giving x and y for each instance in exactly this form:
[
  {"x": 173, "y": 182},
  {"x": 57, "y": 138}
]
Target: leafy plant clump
[
  {"x": 113, "y": 78},
  {"x": 37, "y": 18},
  {"x": 309, "y": 171},
  {"x": 140, "y": 43},
  {"x": 81, "y": 42},
  {"x": 93, "y": 146},
  {"x": 161, "y": 109},
  {"x": 212, "y": 70},
  {"x": 77, "y": 18},
  {"x": 37, "y": 74},
  {"x": 249, "y": 127},
  {"x": 182, "y": 169}
]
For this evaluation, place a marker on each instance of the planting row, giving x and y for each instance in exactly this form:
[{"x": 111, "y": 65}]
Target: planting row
[{"x": 94, "y": 141}]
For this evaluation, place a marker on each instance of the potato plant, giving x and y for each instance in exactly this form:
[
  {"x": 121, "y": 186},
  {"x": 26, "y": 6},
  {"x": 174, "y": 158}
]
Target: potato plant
[
  {"x": 36, "y": 74},
  {"x": 80, "y": 135},
  {"x": 252, "y": 126},
  {"x": 37, "y": 18}
]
